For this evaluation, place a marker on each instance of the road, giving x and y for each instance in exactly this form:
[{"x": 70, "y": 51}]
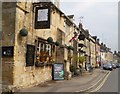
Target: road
[{"x": 110, "y": 84}]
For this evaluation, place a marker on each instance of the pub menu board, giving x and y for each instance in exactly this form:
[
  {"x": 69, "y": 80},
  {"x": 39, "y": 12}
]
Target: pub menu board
[
  {"x": 30, "y": 55},
  {"x": 7, "y": 51},
  {"x": 58, "y": 71},
  {"x": 42, "y": 17}
]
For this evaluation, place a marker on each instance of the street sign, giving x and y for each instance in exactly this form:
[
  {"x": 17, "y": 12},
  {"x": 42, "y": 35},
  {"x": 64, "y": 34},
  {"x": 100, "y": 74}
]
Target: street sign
[{"x": 7, "y": 51}]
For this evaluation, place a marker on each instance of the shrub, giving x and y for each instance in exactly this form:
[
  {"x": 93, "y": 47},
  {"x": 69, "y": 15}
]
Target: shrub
[
  {"x": 82, "y": 59},
  {"x": 72, "y": 68}
]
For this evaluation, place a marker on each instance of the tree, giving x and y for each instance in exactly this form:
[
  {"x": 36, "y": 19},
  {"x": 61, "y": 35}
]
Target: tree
[{"x": 81, "y": 59}]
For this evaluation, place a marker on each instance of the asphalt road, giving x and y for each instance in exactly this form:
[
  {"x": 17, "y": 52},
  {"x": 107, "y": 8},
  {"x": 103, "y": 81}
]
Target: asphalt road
[{"x": 111, "y": 83}]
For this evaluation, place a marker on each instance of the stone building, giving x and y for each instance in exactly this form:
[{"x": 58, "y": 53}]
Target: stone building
[
  {"x": 109, "y": 55},
  {"x": 98, "y": 57},
  {"x": 116, "y": 56},
  {"x": 35, "y": 35},
  {"x": 83, "y": 44},
  {"x": 103, "y": 51},
  {"x": 92, "y": 51},
  {"x": 88, "y": 49}
]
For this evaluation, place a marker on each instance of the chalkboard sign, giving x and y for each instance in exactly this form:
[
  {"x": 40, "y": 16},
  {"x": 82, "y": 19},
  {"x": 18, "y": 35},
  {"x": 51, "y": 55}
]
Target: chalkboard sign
[
  {"x": 7, "y": 51},
  {"x": 58, "y": 71},
  {"x": 30, "y": 55},
  {"x": 42, "y": 17}
]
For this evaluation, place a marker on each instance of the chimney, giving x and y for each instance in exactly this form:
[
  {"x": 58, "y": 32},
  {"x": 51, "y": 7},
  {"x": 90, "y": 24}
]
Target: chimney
[{"x": 71, "y": 17}]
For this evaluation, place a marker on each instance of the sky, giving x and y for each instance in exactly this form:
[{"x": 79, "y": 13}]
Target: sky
[{"x": 100, "y": 17}]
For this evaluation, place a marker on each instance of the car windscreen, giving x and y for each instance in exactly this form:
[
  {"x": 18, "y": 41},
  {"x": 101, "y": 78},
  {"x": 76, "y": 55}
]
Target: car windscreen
[{"x": 109, "y": 64}]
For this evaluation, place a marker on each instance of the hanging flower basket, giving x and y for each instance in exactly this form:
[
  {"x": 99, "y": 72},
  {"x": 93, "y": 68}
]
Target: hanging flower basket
[
  {"x": 57, "y": 43},
  {"x": 23, "y": 32},
  {"x": 70, "y": 48},
  {"x": 50, "y": 40}
]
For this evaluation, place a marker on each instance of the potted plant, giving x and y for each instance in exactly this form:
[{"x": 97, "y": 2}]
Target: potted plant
[
  {"x": 70, "y": 48},
  {"x": 50, "y": 40},
  {"x": 57, "y": 43}
]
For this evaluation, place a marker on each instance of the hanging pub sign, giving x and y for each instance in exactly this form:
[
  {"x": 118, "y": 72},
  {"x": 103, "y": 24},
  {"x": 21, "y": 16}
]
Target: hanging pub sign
[
  {"x": 58, "y": 71},
  {"x": 80, "y": 45},
  {"x": 81, "y": 37},
  {"x": 7, "y": 51},
  {"x": 42, "y": 17},
  {"x": 30, "y": 55}
]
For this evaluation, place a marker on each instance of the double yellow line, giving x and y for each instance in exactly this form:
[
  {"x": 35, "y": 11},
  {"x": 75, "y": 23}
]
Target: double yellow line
[{"x": 102, "y": 83}]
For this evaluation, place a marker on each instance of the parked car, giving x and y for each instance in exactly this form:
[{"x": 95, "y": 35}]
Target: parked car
[
  {"x": 114, "y": 65},
  {"x": 108, "y": 66},
  {"x": 117, "y": 65}
]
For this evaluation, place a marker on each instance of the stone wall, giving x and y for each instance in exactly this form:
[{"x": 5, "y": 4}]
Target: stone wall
[
  {"x": 29, "y": 76},
  {"x": 8, "y": 39},
  {"x": 8, "y": 24},
  {"x": 109, "y": 56}
]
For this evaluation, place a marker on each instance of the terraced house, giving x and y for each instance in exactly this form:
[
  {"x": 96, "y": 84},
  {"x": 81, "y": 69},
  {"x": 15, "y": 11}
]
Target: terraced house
[{"x": 89, "y": 47}]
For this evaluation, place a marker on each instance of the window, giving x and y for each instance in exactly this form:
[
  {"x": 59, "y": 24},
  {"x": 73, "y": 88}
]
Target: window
[
  {"x": 42, "y": 16},
  {"x": 48, "y": 49},
  {"x": 43, "y": 52},
  {"x": 30, "y": 55}
]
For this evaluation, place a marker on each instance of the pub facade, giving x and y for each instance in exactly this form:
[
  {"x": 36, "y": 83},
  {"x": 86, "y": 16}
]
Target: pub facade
[{"x": 35, "y": 35}]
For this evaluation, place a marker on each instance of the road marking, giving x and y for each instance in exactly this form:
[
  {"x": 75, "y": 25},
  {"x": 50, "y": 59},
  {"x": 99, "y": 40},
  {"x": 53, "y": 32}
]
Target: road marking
[{"x": 102, "y": 83}]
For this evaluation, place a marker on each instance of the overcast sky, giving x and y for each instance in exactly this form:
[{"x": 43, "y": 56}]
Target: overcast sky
[{"x": 101, "y": 18}]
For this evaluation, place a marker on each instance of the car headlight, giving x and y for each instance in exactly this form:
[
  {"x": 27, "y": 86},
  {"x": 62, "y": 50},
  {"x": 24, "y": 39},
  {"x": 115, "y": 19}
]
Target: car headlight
[{"x": 110, "y": 66}]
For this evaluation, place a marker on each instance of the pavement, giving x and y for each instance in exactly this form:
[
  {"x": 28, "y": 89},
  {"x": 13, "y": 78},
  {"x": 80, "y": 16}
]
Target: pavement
[{"x": 76, "y": 84}]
